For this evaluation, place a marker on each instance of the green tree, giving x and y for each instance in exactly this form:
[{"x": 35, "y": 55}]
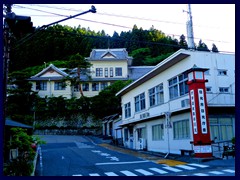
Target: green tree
[
  {"x": 107, "y": 103},
  {"x": 139, "y": 55},
  {"x": 182, "y": 42},
  {"x": 23, "y": 164},
  {"x": 202, "y": 46},
  {"x": 214, "y": 48}
]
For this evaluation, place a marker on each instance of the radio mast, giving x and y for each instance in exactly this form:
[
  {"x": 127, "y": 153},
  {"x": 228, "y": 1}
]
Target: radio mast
[{"x": 190, "y": 36}]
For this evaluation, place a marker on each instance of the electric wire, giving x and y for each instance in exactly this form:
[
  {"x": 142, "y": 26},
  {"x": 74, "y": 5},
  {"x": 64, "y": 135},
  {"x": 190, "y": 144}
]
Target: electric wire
[{"x": 173, "y": 35}]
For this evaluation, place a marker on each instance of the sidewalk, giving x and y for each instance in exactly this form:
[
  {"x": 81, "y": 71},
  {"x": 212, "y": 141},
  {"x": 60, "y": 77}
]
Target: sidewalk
[{"x": 170, "y": 160}]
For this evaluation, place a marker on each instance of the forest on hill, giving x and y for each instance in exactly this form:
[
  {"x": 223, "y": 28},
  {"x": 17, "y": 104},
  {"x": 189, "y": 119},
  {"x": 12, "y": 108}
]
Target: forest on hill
[{"x": 148, "y": 47}]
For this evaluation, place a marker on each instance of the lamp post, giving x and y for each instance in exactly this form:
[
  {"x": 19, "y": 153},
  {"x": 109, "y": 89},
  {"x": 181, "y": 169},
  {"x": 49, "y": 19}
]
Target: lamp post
[{"x": 199, "y": 112}]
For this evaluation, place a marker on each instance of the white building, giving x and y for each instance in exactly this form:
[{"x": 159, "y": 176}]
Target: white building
[
  {"x": 108, "y": 66},
  {"x": 147, "y": 102}
]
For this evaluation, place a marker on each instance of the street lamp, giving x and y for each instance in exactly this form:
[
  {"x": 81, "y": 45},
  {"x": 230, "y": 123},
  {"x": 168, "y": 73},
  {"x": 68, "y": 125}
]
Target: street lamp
[{"x": 199, "y": 112}]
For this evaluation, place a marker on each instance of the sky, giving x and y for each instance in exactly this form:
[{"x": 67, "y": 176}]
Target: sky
[{"x": 212, "y": 23}]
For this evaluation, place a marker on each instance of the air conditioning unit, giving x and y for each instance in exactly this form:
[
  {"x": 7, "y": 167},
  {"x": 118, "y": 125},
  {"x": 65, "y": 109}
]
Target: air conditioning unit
[
  {"x": 142, "y": 143},
  {"x": 144, "y": 115}
]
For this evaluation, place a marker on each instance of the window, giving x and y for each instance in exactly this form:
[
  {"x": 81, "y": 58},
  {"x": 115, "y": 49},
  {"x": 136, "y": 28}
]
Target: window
[
  {"x": 140, "y": 102},
  {"x": 42, "y": 86},
  {"x": 85, "y": 87},
  {"x": 178, "y": 86},
  {"x": 95, "y": 86},
  {"x": 181, "y": 129},
  {"x": 104, "y": 85},
  {"x": 59, "y": 86},
  {"x": 118, "y": 71},
  {"x": 223, "y": 89},
  {"x": 208, "y": 89},
  {"x": 221, "y": 128},
  {"x": 127, "y": 110},
  {"x": 106, "y": 72},
  {"x": 111, "y": 72},
  {"x": 99, "y": 72},
  {"x": 125, "y": 134},
  {"x": 222, "y": 72},
  {"x": 156, "y": 95},
  {"x": 157, "y": 132},
  {"x": 76, "y": 88},
  {"x": 141, "y": 132}
]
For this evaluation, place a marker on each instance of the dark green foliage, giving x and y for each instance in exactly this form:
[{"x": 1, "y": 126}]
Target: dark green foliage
[
  {"x": 23, "y": 164},
  {"x": 214, "y": 48},
  {"x": 107, "y": 103},
  {"x": 202, "y": 46}
]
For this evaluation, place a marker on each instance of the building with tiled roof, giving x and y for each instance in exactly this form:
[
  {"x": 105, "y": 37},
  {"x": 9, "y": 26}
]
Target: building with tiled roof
[{"x": 108, "y": 66}]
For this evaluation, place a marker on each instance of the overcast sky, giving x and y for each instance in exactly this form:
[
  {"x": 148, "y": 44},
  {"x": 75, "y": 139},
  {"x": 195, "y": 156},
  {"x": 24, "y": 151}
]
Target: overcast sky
[{"x": 213, "y": 23}]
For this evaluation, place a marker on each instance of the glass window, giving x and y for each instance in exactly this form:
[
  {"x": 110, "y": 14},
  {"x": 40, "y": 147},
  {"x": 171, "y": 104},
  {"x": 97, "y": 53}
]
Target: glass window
[
  {"x": 221, "y": 128},
  {"x": 199, "y": 75},
  {"x": 106, "y": 72},
  {"x": 95, "y": 86},
  {"x": 111, "y": 72},
  {"x": 223, "y": 89},
  {"x": 157, "y": 132},
  {"x": 76, "y": 88},
  {"x": 141, "y": 132},
  {"x": 140, "y": 102},
  {"x": 118, "y": 71},
  {"x": 156, "y": 95},
  {"x": 222, "y": 72},
  {"x": 178, "y": 86},
  {"x": 59, "y": 86},
  {"x": 41, "y": 85},
  {"x": 99, "y": 72},
  {"x": 127, "y": 109},
  {"x": 181, "y": 129},
  {"x": 104, "y": 85},
  {"x": 85, "y": 86}
]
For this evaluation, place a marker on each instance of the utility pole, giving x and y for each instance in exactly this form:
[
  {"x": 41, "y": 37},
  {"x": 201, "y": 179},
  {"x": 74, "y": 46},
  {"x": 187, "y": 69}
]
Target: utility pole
[
  {"x": 6, "y": 59},
  {"x": 190, "y": 36}
]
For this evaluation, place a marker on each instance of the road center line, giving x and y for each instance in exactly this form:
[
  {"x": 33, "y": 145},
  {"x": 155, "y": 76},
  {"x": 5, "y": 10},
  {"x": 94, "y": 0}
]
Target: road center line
[{"x": 131, "y": 162}]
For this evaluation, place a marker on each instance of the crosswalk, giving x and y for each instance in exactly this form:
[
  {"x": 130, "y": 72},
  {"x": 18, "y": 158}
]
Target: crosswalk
[{"x": 154, "y": 171}]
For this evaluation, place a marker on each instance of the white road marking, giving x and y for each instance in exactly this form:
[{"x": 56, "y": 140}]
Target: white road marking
[
  {"x": 172, "y": 169},
  {"x": 105, "y": 154},
  {"x": 185, "y": 167},
  {"x": 113, "y": 158},
  {"x": 146, "y": 173},
  {"x": 216, "y": 172},
  {"x": 198, "y": 165},
  {"x": 158, "y": 170},
  {"x": 110, "y": 174},
  {"x": 77, "y": 175},
  {"x": 94, "y": 174},
  {"x": 201, "y": 174},
  {"x": 128, "y": 173},
  {"x": 130, "y": 162},
  {"x": 96, "y": 151},
  {"x": 229, "y": 170}
]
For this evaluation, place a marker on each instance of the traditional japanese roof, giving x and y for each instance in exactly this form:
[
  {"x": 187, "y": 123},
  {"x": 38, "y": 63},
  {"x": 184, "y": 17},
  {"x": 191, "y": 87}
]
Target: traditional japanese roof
[
  {"x": 109, "y": 54},
  {"x": 51, "y": 68}
]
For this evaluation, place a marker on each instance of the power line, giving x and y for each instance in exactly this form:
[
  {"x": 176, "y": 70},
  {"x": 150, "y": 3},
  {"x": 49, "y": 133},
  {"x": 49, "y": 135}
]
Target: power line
[{"x": 122, "y": 26}]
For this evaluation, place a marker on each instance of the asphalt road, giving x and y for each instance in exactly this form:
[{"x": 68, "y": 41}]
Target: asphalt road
[{"x": 78, "y": 156}]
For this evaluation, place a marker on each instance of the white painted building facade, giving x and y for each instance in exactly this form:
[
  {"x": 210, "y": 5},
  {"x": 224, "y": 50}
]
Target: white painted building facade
[
  {"x": 147, "y": 101},
  {"x": 107, "y": 66}
]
